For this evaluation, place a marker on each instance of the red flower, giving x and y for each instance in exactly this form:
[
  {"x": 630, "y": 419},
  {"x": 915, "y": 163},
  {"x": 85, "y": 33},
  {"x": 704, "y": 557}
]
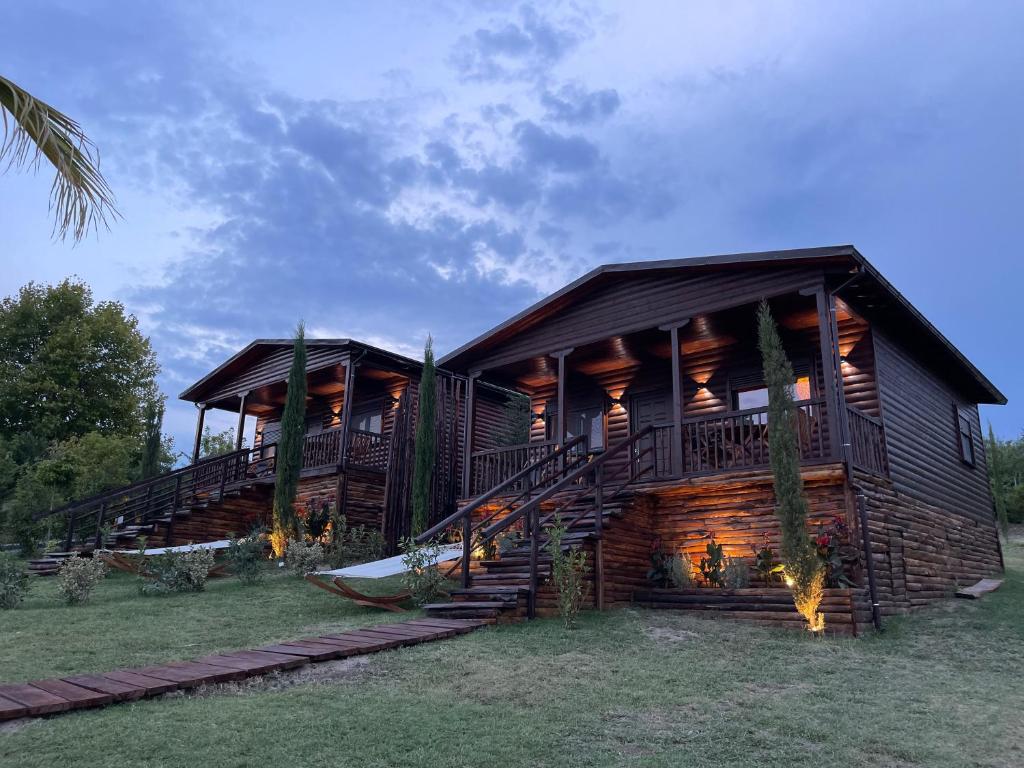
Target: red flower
[{"x": 823, "y": 540}]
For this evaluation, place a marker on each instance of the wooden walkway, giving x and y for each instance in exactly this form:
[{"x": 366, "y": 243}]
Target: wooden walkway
[{"x": 45, "y": 697}]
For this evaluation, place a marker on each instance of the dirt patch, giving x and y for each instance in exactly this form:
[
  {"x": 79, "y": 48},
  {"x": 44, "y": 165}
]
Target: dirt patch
[
  {"x": 13, "y": 726},
  {"x": 670, "y": 635},
  {"x": 326, "y": 673}
]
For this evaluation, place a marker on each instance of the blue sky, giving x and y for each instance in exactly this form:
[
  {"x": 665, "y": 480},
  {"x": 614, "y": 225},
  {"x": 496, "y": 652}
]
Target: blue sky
[{"x": 388, "y": 170}]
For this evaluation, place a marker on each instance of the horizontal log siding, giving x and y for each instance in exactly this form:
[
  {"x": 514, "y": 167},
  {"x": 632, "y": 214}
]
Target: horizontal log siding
[
  {"x": 639, "y": 302},
  {"x": 364, "y": 496},
  {"x": 488, "y": 419},
  {"x": 922, "y": 552},
  {"x": 738, "y": 509},
  {"x": 922, "y": 439},
  {"x": 859, "y": 385}
]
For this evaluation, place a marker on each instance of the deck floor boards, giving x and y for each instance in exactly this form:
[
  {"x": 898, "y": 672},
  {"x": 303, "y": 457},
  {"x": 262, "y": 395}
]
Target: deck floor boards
[{"x": 45, "y": 697}]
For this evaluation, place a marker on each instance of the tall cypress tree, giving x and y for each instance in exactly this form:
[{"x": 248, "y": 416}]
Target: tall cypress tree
[
  {"x": 803, "y": 568},
  {"x": 997, "y": 479},
  {"x": 426, "y": 447},
  {"x": 289, "y": 447},
  {"x": 153, "y": 413}
]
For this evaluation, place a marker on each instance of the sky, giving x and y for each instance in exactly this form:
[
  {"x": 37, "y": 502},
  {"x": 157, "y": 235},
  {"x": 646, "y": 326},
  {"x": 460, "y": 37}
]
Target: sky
[{"x": 385, "y": 171}]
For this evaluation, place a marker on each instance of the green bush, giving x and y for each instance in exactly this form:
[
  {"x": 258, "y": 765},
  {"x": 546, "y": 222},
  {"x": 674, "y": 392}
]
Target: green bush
[
  {"x": 423, "y": 579},
  {"x": 245, "y": 557},
  {"x": 711, "y": 566},
  {"x": 735, "y": 573},
  {"x": 77, "y": 578},
  {"x": 668, "y": 569},
  {"x": 351, "y": 546},
  {"x": 177, "y": 572},
  {"x": 1015, "y": 504},
  {"x": 301, "y": 558},
  {"x": 568, "y": 573},
  {"x": 13, "y": 581}
]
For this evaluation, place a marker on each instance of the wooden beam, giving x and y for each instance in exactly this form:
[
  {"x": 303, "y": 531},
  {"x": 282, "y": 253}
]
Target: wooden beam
[
  {"x": 467, "y": 459},
  {"x": 561, "y": 419},
  {"x": 675, "y": 324},
  {"x": 677, "y": 405},
  {"x": 199, "y": 432},
  {"x": 241, "y": 421},
  {"x": 346, "y": 408},
  {"x": 829, "y": 373}
]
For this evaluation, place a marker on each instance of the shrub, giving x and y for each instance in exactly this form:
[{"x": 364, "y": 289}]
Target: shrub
[
  {"x": 245, "y": 557},
  {"x": 177, "y": 572},
  {"x": 668, "y": 569},
  {"x": 301, "y": 558},
  {"x": 13, "y": 581},
  {"x": 568, "y": 573},
  {"x": 711, "y": 566},
  {"x": 350, "y": 546},
  {"x": 735, "y": 573},
  {"x": 765, "y": 564},
  {"x": 422, "y": 578},
  {"x": 77, "y": 578}
]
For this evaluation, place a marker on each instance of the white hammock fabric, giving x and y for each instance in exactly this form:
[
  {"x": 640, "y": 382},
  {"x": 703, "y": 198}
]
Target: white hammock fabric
[
  {"x": 391, "y": 566},
  {"x": 222, "y": 544}
]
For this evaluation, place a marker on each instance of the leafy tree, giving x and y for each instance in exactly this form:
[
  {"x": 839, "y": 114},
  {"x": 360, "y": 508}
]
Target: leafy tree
[
  {"x": 803, "y": 568},
  {"x": 69, "y": 366},
  {"x": 426, "y": 448},
  {"x": 289, "y": 448},
  {"x": 152, "y": 446},
  {"x": 216, "y": 443},
  {"x": 1006, "y": 474},
  {"x": 80, "y": 197},
  {"x": 515, "y": 424}
]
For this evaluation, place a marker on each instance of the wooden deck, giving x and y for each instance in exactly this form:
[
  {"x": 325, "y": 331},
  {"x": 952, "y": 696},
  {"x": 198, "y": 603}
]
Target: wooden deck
[{"x": 46, "y": 697}]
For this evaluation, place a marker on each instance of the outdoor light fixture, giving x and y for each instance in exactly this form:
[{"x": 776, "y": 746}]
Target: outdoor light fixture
[{"x": 536, "y": 417}]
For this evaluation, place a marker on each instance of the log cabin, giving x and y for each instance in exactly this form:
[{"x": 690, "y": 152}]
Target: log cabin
[
  {"x": 648, "y": 413},
  {"x": 646, "y": 433}
]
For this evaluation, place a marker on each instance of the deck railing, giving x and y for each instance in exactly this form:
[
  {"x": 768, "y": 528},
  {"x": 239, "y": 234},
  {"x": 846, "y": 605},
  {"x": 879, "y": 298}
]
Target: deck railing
[
  {"x": 490, "y": 467},
  {"x": 867, "y": 442},
  {"x": 368, "y": 450},
  {"x": 322, "y": 450},
  {"x": 739, "y": 439}
]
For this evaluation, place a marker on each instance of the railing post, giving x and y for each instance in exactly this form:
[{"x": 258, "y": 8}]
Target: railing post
[
  {"x": 174, "y": 508},
  {"x": 598, "y": 527},
  {"x": 98, "y": 538},
  {"x": 531, "y": 605},
  {"x": 467, "y": 548},
  {"x": 71, "y": 531},
  {"x": 223, "y": 477}
]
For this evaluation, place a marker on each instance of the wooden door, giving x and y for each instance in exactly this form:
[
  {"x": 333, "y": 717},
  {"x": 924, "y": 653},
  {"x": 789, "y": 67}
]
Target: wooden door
[{"x": 653, "y": 408}]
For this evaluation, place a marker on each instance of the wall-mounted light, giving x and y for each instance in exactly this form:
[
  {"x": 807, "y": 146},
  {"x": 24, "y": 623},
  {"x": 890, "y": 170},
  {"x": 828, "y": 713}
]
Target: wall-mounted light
[
  {"x": 392, "y": 400},
  {"x": 842, "y": 359},
  {"x": 535, "y": 416}
]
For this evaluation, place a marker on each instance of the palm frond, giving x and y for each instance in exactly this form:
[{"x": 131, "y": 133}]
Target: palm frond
[{"x": 80, "y": 198}]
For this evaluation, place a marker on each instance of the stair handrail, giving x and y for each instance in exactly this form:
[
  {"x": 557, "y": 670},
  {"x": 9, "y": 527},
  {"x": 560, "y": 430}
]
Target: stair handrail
[
  {"x": 591, "y": 466},
  {"x": 139, "y": 485},
  {"x": 479, "y": 501}
]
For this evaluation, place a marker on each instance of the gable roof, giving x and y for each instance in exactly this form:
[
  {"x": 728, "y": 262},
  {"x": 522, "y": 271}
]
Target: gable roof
[
  {"x": 320, "y": 353},
  {"x": 885, "y": 302}
]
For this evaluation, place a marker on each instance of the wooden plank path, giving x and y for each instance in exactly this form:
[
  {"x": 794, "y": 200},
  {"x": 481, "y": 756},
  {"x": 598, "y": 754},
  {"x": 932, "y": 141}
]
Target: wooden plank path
[{"x": 46, "y": 697}]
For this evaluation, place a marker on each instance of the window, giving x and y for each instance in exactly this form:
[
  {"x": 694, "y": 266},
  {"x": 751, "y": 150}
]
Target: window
[
  {"x": 965, "y": 435},
  {"x": 368, "y": 420},
  {"x": 587, "y": 421},
  {"x": 756, "y": 396}
]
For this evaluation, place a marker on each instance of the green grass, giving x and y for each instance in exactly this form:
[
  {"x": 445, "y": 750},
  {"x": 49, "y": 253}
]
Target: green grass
[
  {"x": 120, "y": 628},
  {"x": 633, "y": 687}
]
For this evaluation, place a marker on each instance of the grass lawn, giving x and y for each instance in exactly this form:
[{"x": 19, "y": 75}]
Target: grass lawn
[
  {"x": 631, "y": 687},
  {"x": 120, "y": 628}
]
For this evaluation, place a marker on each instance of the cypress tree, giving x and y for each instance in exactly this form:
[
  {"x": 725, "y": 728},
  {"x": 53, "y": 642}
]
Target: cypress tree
[
  {"x": 289, "y": 448},
  {"x": 997, "y": 481},
  {"x": 803, "y": 569},
  {"x": 151, "y": 446},
  {"x": 426, "y": 448}
]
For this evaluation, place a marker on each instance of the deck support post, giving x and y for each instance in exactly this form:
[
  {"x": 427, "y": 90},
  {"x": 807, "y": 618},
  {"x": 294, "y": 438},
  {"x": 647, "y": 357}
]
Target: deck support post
[
  {"x": 199, "y": 432},
  {"x": 599, "y": 530},
  {"x": 829, "y": 357},
  {"x": 346, "y": 418},
  {"x": 241, "y": 421},
  {"x": 560, "y": 416},
  {"x": 677, "y": 397},
  {"x": 467, "y": 462}
]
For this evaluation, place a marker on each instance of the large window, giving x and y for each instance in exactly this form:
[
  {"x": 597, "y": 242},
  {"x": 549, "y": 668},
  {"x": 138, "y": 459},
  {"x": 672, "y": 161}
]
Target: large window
[
  {"x": 368, "y": 419},
  {"x": 965, "y": 434},
  {"x": 588, "y": 421},
  {"x": 755, "y": 395}
]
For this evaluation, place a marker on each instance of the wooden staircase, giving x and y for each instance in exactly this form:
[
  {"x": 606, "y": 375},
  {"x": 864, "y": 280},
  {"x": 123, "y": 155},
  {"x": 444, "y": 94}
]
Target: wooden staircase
[{"x": 566, "y": 485}]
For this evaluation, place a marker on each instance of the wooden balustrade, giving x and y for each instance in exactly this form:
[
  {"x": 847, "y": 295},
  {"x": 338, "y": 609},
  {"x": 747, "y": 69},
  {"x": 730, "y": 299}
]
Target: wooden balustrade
[
  {"x": 867, "y": 442},
  {"x": 322, "y": 450},
  {"x": 368, "y": 450},
  {"x": 492, "y": 467},
  {"x": 739, "y": 439}
]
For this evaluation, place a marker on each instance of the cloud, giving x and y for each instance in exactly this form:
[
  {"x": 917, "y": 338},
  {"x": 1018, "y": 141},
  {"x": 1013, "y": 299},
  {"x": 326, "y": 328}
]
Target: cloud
[
  {"x": 548, "y": 149},
  {"x": 573, "y": 105},
  {"x": 519, "y": 50}
]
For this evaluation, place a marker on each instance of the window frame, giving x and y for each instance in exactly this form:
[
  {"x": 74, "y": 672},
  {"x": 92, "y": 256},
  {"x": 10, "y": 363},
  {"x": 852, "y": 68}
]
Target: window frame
[
  {"x": 960, "y": 421},
  {"x": 551, "y": 418}
]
